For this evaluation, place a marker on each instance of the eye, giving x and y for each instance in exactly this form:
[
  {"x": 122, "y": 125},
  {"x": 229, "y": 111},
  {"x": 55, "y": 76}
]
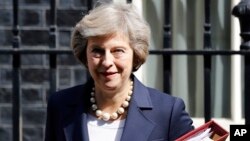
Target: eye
[
  {"x": 117, "y": 52},
  {"x": 97, "y": 52}
]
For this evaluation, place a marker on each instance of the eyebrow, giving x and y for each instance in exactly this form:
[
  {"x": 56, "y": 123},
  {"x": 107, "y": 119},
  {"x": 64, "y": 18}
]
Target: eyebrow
[{"x": 95, "y": 46}]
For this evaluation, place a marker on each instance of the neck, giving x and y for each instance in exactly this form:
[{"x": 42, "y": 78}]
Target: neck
[{"x": 113, "y": 96}]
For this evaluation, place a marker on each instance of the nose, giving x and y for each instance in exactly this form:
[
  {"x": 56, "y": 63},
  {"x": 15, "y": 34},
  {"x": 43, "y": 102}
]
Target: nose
[{"x": 107, "y": 60}]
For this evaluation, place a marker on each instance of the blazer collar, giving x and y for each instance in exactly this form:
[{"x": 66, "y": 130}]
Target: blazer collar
[
  {"x": 141, "y": 95},
  {"x": 137, "y": 119}
]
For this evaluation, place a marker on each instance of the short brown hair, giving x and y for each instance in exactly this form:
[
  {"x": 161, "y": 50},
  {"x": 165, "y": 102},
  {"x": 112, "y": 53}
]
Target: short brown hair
[{"x": 110, "y": 19}]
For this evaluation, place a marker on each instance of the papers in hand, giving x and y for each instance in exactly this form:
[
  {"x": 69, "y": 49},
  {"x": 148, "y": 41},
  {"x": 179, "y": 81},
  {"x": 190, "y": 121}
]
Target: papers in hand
[
  {"x": 211, "y": 131},
  {"x": 202, "y": 136}
]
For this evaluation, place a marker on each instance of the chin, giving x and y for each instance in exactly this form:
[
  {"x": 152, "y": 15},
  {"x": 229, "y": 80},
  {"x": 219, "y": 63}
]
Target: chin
[{"x": 110, "y": 85}]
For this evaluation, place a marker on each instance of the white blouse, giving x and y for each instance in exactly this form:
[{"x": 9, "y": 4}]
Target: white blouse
[{"x": 100, "y": 130}]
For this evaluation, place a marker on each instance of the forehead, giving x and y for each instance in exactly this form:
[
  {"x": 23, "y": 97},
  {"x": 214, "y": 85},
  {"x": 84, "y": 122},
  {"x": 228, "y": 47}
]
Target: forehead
[
  {"x": 116, "y": 38},
  {"x": 110, "y": 35}
]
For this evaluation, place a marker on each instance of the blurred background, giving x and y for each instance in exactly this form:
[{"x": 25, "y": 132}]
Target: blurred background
[{"x": 27, "y": 79}]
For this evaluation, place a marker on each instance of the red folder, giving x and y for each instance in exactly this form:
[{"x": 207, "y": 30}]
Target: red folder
[{"x": 218, "y": 133}]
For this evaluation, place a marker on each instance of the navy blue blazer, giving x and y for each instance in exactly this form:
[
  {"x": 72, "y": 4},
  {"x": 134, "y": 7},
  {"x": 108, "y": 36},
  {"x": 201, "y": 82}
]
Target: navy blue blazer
[{"x": 152, "y": 115}]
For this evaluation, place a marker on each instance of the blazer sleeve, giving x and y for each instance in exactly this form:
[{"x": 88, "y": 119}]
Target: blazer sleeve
[
  {"x": 181, "y": 122},
  {"x": 50, "y": 127}
]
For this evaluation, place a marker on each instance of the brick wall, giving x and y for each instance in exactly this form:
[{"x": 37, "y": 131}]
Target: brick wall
[{"x": 34, "y": 33}]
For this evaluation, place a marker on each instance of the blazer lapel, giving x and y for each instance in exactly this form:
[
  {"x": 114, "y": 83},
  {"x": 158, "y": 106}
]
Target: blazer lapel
[
  {"x": 138, "y": 127},
  {"x": 77, "y": 131},
  {"x": 75, "y": 121}
]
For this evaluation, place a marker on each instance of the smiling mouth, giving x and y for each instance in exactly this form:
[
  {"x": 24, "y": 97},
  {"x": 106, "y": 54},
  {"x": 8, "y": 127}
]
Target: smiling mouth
[{"x": 108, "y": 73}]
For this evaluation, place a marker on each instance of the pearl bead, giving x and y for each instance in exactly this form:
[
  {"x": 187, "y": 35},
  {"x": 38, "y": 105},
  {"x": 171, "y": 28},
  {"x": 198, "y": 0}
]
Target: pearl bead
[
  {"x": 128, "y": 98},
  {"x": 125, "y": 104},
  {"x": 120, "y": 110},
  {"x": 106, "y": 116},
  {"x": 94, "y": 107},
  {"x": 114, "y": 115},
  {"x": 92, "y": 99},
  {"x": 130, "y": 92},
  {"x": 98, "y": 113}
]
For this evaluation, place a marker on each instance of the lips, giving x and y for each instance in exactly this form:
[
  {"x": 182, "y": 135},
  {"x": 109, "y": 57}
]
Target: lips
[{"x": 108, "y": 73}]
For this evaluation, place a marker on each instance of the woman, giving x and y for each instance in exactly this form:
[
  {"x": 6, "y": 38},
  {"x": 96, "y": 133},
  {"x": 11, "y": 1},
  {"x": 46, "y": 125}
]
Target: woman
[{"x": 112, "y": 42}]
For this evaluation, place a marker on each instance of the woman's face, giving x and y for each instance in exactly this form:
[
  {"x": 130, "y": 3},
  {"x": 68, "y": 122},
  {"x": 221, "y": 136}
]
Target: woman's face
[{"x": 110, "y": 61}]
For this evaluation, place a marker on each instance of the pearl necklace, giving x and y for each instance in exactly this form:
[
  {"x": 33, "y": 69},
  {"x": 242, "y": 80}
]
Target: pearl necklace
[{"x": 107, "y": 116}]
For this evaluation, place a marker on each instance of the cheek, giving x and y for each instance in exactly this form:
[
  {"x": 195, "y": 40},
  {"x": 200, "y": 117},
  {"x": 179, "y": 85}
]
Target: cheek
[
  {"x": 92, "y": 63},
  {"x": 126, "y": 62}
]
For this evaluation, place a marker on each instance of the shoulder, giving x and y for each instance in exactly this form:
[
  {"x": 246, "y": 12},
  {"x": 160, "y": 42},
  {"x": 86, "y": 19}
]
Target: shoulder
[
  {"x": 154, "y": 96},
  {"x": 69, "y": 95},
  {"x": 164, "y": 97},
  {"x": 65, "y": 93},
  {"x": 167, "y": 104},
  {"x": 173, "y": 109}
]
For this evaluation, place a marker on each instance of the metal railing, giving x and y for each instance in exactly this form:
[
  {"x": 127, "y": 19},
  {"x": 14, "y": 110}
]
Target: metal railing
[{"x": 166, "y": 53}]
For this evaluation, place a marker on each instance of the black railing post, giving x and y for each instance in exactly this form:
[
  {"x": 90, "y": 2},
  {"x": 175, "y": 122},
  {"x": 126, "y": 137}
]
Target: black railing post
[
  {"x": 52, "y": 44},
  {"x": 167, "y": 45},
  {"x": 207, "y": 63},
  {"x": 129, "y": 1},
  {"x": 242, "y": 11},
  {"x": 16, "y": 91},
  {"x": 89, "y": 4}
]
